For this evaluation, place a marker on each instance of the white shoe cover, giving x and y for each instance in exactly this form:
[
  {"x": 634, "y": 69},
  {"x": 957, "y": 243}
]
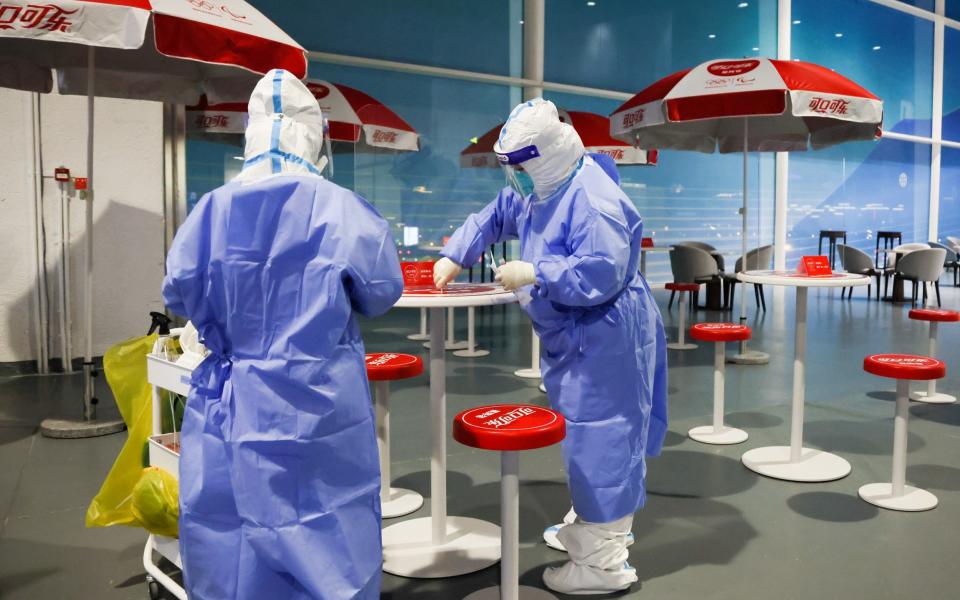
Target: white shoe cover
[
  {"x": 550, "y": 534},
  {"x": 598, "y": 558},
  {"x": 575, "y": 579}
]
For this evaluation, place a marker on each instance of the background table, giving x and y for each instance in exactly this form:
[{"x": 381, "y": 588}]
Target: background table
[
  {"x": 794, "y": 462},
  {"x": 643, "y": 255},
  {"x": 438, "y": 545}
]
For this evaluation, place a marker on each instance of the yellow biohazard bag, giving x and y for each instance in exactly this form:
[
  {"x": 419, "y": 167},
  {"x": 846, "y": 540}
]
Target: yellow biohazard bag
[
  {"x": 125, "y": 366},
  {"x": 156, "y": 504}
]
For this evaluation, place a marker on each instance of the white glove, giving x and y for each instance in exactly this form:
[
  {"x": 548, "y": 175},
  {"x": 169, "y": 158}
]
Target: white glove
[
  {"x": 445, "y": 271},
  {"x": 516, "y": 274}
]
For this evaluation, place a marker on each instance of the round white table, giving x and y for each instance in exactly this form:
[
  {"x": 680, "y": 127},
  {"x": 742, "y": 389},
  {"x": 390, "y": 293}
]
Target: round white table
[
  {"x": 794, "y": 462},
  {"x": 438, "y": 545},
  {"x": 643, "y": 255}
]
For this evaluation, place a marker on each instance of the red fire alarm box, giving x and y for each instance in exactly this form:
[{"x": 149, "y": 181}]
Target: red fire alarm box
[
  {"x": 80, "y": 183},
  {"x": 814, "y": 266}
]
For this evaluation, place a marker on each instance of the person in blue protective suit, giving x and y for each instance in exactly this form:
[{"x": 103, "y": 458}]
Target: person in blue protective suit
[
  {"x": 279, "y": 470},
  {"x": 603, "y": 346}
]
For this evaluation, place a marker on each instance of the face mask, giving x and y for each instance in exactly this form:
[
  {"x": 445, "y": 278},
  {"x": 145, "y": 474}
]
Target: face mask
[{"x": 520, "y": 181}]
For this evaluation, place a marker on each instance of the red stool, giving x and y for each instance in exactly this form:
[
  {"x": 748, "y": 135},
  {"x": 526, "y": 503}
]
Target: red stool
[
  {"x": 382, "y": 368},
  {"x": 934, "y": 316},
  {"x": 683, "y": 288},
  {"x": 509, "y": 428},
  {"x": 720, "y": 334},
  {"x": 904, "y": 368}
]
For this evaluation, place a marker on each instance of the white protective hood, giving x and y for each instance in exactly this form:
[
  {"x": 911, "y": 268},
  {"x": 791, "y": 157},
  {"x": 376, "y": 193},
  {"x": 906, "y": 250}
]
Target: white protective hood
[
  {"x": 284, "y": 132},
  {"x": 537, "y": 123}
]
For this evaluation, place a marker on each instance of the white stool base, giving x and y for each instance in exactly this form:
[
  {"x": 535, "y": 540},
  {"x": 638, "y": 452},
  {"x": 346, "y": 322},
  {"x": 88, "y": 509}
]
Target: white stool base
[
  {"x": 750, "y": 357},
  {"x": 679, "y": 346},
  {"x": 912, "y": 500},
  {"x": 449, "y": 345},
  {"x": 401, "y": 502},
  {"x": 938, "y": 398},
  {"x": 526, "y": 593},
  {"x": 471, "y": 545},
  {"x": 475, "y": 353},
  {"x": 708, "y": 435},
  {"x": 528, "y": 373},
  {"x": 813, "y": 466},
  {"x": 418, "y": 337}
]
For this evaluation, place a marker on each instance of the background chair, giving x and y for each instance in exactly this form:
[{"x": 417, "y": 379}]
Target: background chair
[
  {"x": 692, "y": 265},
  {"x": 951, "y": 262},
  {"x": 758, "y": 258},
  {"x": 922, "y": 266},
  {"x": 888, "y": 239},
  {"x": 857, "y": 261},
  {"x": 711, "y": 250}
]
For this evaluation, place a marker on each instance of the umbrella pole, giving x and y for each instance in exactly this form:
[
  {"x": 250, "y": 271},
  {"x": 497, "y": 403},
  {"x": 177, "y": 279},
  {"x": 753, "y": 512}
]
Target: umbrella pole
[
  {"x": 88, "y": 426},
  {"x": 744, "y": 356}
]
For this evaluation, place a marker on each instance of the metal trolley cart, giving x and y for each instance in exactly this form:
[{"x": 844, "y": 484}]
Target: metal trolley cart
[{"x": 164, "y": 452}]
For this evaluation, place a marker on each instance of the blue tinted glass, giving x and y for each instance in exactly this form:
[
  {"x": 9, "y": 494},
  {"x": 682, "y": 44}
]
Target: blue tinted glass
[
  {"x": 951, "y": 83},
  {"x": 886, "y": 51},
  {"x": 692, "y": 196},
  {"x": 949, "y": 194},
  {"x": 924, "y": 4},
  {"x": 473, "y": 36},
  {"x": 861, "y": 188},
  {"x": 617, "y": 45},
  {"x": 953, "y": 9}
]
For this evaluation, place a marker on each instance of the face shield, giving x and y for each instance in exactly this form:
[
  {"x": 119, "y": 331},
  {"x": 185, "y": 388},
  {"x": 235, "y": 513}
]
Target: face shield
[{"x": 512, "y": 165}]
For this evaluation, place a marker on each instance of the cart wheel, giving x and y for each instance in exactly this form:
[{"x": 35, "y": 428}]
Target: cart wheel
[{"x": 153, "y": 588}]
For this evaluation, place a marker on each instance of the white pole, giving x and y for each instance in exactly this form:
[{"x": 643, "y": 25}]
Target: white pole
[
  {"x": 900, "y": 437},
  {"x": 471, "y": 325},
  {"x": 799, "y": 381},
  {"x": 89, "y": 409},
  {"x": 534, "y": 20},
  {"x": 438, "y": 426},
  {"x": 510, "y": 525},
  {"x": 743, "y": 233},
  {"x": 936, "y": 130},
  {"x": 381, "y": 394},
  {"x": 932, "y": 384},
  {"x": 784, "y": 31},
  {"x": 66, "y": 334},
  {"x": 718, "y": 376},
  {"x": 681, "y": 337},
  {"x": 35, "y": 186}
]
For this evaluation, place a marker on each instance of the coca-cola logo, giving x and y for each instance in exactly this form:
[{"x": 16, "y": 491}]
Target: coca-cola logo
[
  {"x": 732, "y": 68},
  {"x": 211, "y": 121},
  {"x": 318, "y": 90},
  {"x": 380, "y": 360},
  {"x": 832, "y": 106},
  {"x": 633, "y": 118},
  {"x": 510, "y": 417},
  {"x": 614, "y": 153},
  {"x": 49, "y": 17},
  {"x": 717, "y": 326},
  {"x": 384, "y": 137},
  {"x": 917, "y": 361}
]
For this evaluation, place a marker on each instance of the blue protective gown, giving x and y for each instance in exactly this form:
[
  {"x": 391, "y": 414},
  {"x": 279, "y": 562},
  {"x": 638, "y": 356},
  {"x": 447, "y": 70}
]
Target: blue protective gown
[
  {"x": 603, "y": 350},
  {"x": 279, "y": 475}
]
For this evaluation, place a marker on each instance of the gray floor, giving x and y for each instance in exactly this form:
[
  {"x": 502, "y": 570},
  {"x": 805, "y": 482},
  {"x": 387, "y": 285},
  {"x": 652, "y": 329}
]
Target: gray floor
[{"x": 711, "y": 528}]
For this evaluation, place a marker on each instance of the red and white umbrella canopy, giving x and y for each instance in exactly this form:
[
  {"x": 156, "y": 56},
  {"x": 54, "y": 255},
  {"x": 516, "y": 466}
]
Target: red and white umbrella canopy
[
  {"x": 791, "y": 105},
  {"x": 594, "y": 131},
  {"x": 166, "y": 50},
  {"x": 353, "y": 117}
]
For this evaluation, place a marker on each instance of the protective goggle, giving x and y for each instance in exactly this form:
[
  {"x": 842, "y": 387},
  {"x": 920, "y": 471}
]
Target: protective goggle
[{"x": 516, "y": 177}]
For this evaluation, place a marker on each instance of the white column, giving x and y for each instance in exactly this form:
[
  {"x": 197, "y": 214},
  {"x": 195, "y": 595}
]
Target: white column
[
  {"x": 900, "y": 437},
  {"x": 932, "y": 384},
  {"x": 799, "y": 374},
  {"x": 533, "y": 48},
  {"x": 681, "y": 337},
  {"x": 509, "y": 525},
  {"x": 381, "y": 394},
  {"x": 438, "y": 428},
  {"x": 782, "y": 169},
  {"x": 937, "y": 125}
]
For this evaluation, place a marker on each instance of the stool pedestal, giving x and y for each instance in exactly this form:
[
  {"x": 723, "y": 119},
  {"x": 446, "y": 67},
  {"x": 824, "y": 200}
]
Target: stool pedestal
[
  {"x": 394, "y": 502},
  {"x": 451, "y": 343},
  {"x": 681, "y": 343},
  {"x": 897, "y": 495},
  {"x": 931, "y": 395},
  {"x": 534, "y": 371},
  {"x": 422, "y": 335},
  {"x": 718, "y": 433},
  {"x": 509, "y": 589},
  {"x": 471, "y": 350}
]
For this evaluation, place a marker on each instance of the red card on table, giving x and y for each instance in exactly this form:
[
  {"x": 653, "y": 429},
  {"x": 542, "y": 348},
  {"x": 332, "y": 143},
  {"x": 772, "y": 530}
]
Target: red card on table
[
  {"x": 417, "y": 273},
  {"x": 814, "y": 266},
  {"x": 646, "y": 242}
]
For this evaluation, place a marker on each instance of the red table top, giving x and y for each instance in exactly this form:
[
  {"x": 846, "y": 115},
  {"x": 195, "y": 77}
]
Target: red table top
[
  {"x": 453, "y": 289},
  {"x": 387, "y": 366},
  {"x": 509, "y": 427},
  {"x": 904, "y": 366}
]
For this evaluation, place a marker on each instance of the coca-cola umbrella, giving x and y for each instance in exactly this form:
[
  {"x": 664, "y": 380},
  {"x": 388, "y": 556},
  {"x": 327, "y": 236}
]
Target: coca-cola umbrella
[
  {"x": 352, "y": 117},
  {"x": 744, "y": 105},
  {"x": 594, "y": 131},
  {"x": 164, "y": 50}
]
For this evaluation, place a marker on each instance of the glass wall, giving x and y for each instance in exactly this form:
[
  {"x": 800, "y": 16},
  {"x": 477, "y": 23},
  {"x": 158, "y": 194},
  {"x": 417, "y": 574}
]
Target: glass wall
[
  {"x": 949, "y": 194},
  {"x": 951, "y": 84}
]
